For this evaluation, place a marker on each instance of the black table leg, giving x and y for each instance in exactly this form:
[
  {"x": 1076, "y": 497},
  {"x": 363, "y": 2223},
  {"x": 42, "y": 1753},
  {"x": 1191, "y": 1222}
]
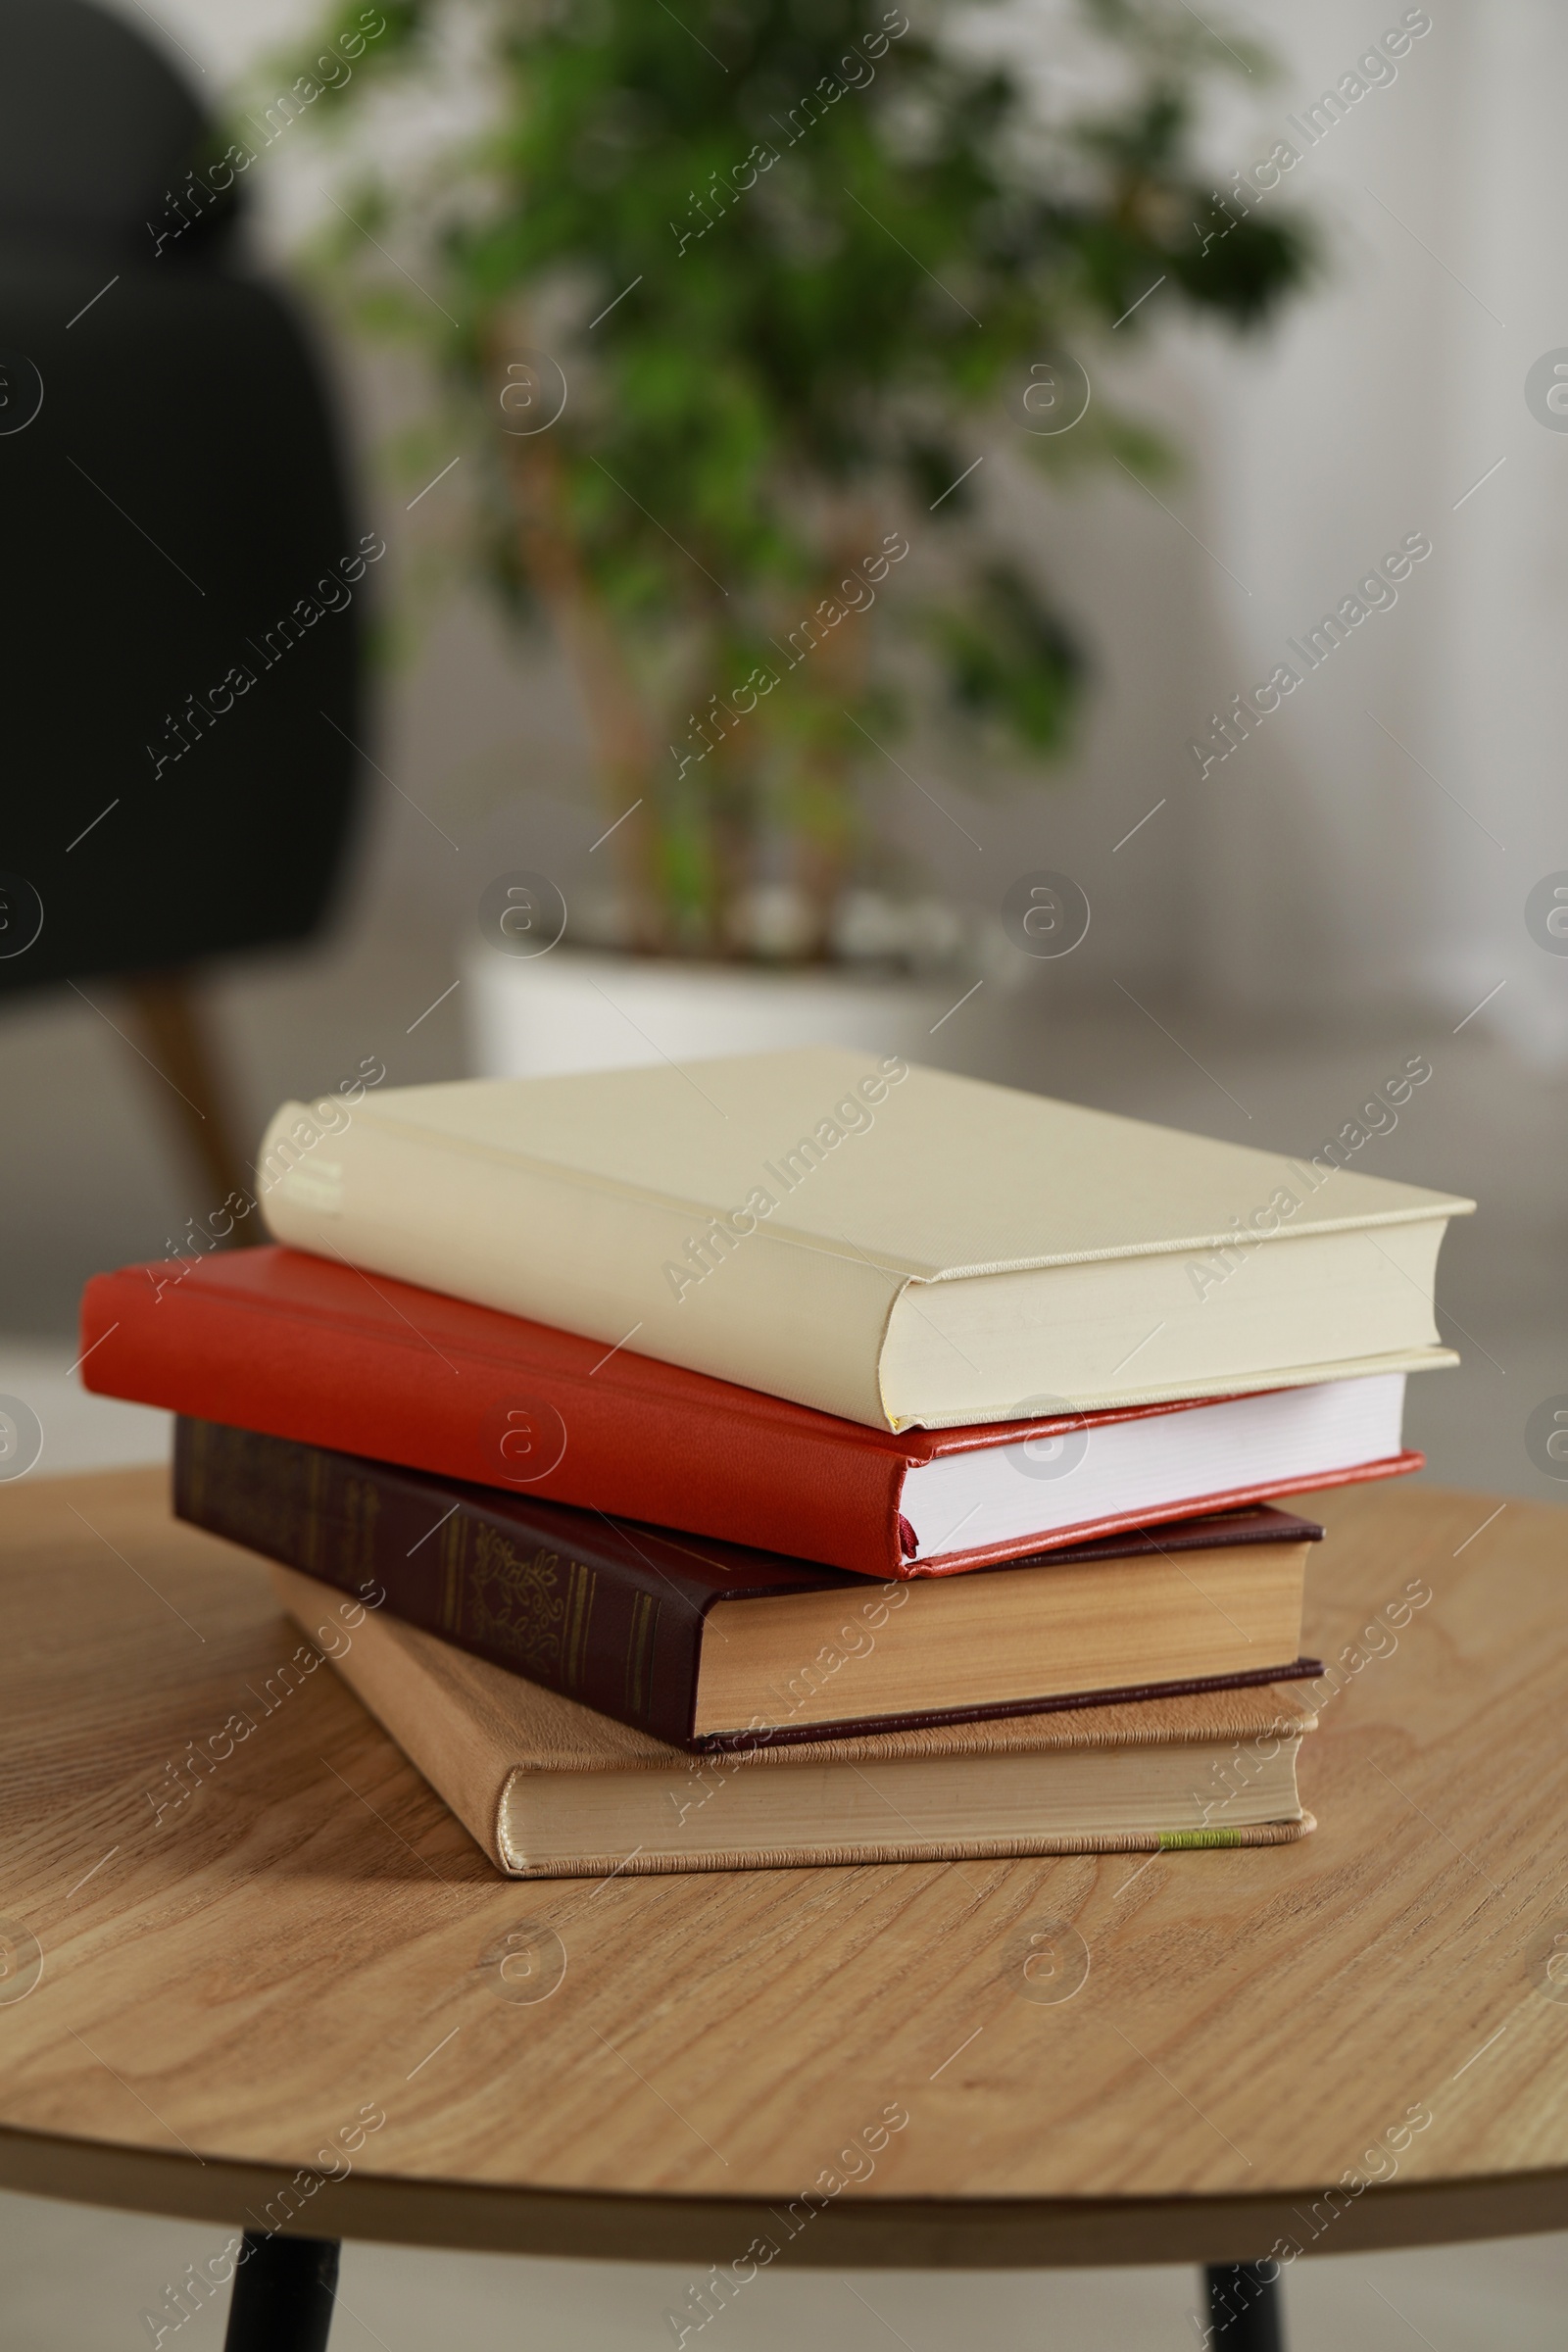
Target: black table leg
[
  {"x": 283, "y": 2293},
  {"x": 1246, "y": 2307}
]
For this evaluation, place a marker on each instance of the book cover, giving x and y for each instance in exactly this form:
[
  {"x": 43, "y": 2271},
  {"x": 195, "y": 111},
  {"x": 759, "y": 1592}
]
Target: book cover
[
  {"x": 550, "y": 1788},
  {"x": 296, "y": 1345},
  {"x": 614, "y": 1614},
  {"x": 893, "y": 1245}
]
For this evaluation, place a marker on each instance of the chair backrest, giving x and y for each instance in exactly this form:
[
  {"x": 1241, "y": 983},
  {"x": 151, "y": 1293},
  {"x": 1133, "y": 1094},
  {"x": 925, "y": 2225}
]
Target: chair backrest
[
  {"x": 96, "y": 127},
  {"x": 182, "y": 600}
]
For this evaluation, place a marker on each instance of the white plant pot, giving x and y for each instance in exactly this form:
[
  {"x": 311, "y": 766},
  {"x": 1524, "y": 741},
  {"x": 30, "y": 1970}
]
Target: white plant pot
[{"x": 573, "y": 1009}]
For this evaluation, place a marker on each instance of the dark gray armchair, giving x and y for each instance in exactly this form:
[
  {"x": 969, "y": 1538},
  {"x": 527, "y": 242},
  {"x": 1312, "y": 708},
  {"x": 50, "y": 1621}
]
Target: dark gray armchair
[{"x": 183, "y": 580}]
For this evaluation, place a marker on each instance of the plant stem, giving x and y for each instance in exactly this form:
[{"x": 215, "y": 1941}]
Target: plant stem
[
  {"x": 617, "y": 726},
  {"x": 828, "y": 833}
]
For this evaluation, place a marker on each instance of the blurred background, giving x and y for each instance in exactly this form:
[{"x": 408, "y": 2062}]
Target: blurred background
[{"x": 1366, "y": 876}]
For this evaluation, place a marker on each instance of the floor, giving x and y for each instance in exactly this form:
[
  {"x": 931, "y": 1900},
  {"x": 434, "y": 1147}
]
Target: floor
[
  {"x": 76, "y": 2282},
  {"x": 91, "y": 1175}
]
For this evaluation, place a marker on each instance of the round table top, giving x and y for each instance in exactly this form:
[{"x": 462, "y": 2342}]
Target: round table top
[{"x": 258, "y": 1990}]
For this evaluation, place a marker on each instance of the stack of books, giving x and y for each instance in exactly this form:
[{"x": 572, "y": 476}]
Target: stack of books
[{"x": 796, "y": 1459}]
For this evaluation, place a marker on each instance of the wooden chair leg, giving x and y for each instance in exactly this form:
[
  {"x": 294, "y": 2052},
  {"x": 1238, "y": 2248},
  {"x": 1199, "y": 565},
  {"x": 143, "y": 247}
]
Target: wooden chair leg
[
  {"x": 1246, "y": 2307},
  {"x": 172, "y": 1035},
  {"x": 284, "y": 2289}
]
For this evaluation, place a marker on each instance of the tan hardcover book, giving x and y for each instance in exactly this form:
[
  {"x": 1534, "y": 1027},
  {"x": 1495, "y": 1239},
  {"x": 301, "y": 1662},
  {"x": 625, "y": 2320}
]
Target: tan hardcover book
[
  {"x": 889, "y": 1244},
  {"x": 553, "y": 1789}
]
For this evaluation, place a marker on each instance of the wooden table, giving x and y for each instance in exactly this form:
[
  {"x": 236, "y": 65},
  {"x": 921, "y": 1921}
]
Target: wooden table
[{"x": 244, "y": 1966}]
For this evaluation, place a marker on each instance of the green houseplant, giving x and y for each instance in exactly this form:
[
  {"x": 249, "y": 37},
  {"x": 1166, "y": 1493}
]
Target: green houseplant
[{"x": 723, "y": 298}]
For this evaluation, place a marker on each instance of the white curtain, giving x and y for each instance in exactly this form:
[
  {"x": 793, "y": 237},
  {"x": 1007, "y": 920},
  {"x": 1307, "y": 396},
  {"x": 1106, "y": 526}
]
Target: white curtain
[{"x": 1377, "y": 836}]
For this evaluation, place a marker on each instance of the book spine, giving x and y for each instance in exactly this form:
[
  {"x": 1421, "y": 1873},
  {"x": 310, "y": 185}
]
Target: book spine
[
  {"x": 547, "y": 1243},
  {"x": 587, "y": 1623},
  {"x": 643, "y": 1440}
]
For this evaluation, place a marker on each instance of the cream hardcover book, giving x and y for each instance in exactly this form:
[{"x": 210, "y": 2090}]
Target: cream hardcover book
[
  {"x": 553, "y": 1789},
  {"x": 894, "y": 1244}
]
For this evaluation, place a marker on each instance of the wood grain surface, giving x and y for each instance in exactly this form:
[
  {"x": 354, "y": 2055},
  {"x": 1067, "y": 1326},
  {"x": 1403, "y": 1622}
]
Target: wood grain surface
[{"x": 244, "y": 1963}]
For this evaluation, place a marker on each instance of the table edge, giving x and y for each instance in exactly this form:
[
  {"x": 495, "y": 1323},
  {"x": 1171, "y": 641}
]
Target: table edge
[{"x": 858, "y": 2233}]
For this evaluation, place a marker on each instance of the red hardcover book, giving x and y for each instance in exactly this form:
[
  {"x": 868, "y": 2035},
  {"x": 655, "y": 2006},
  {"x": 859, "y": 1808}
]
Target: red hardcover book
[{"x": 295, "y": 1346}]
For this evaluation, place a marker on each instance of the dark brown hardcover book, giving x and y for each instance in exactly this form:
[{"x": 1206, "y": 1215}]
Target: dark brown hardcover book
[{"x": 711, "y": 1644}]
